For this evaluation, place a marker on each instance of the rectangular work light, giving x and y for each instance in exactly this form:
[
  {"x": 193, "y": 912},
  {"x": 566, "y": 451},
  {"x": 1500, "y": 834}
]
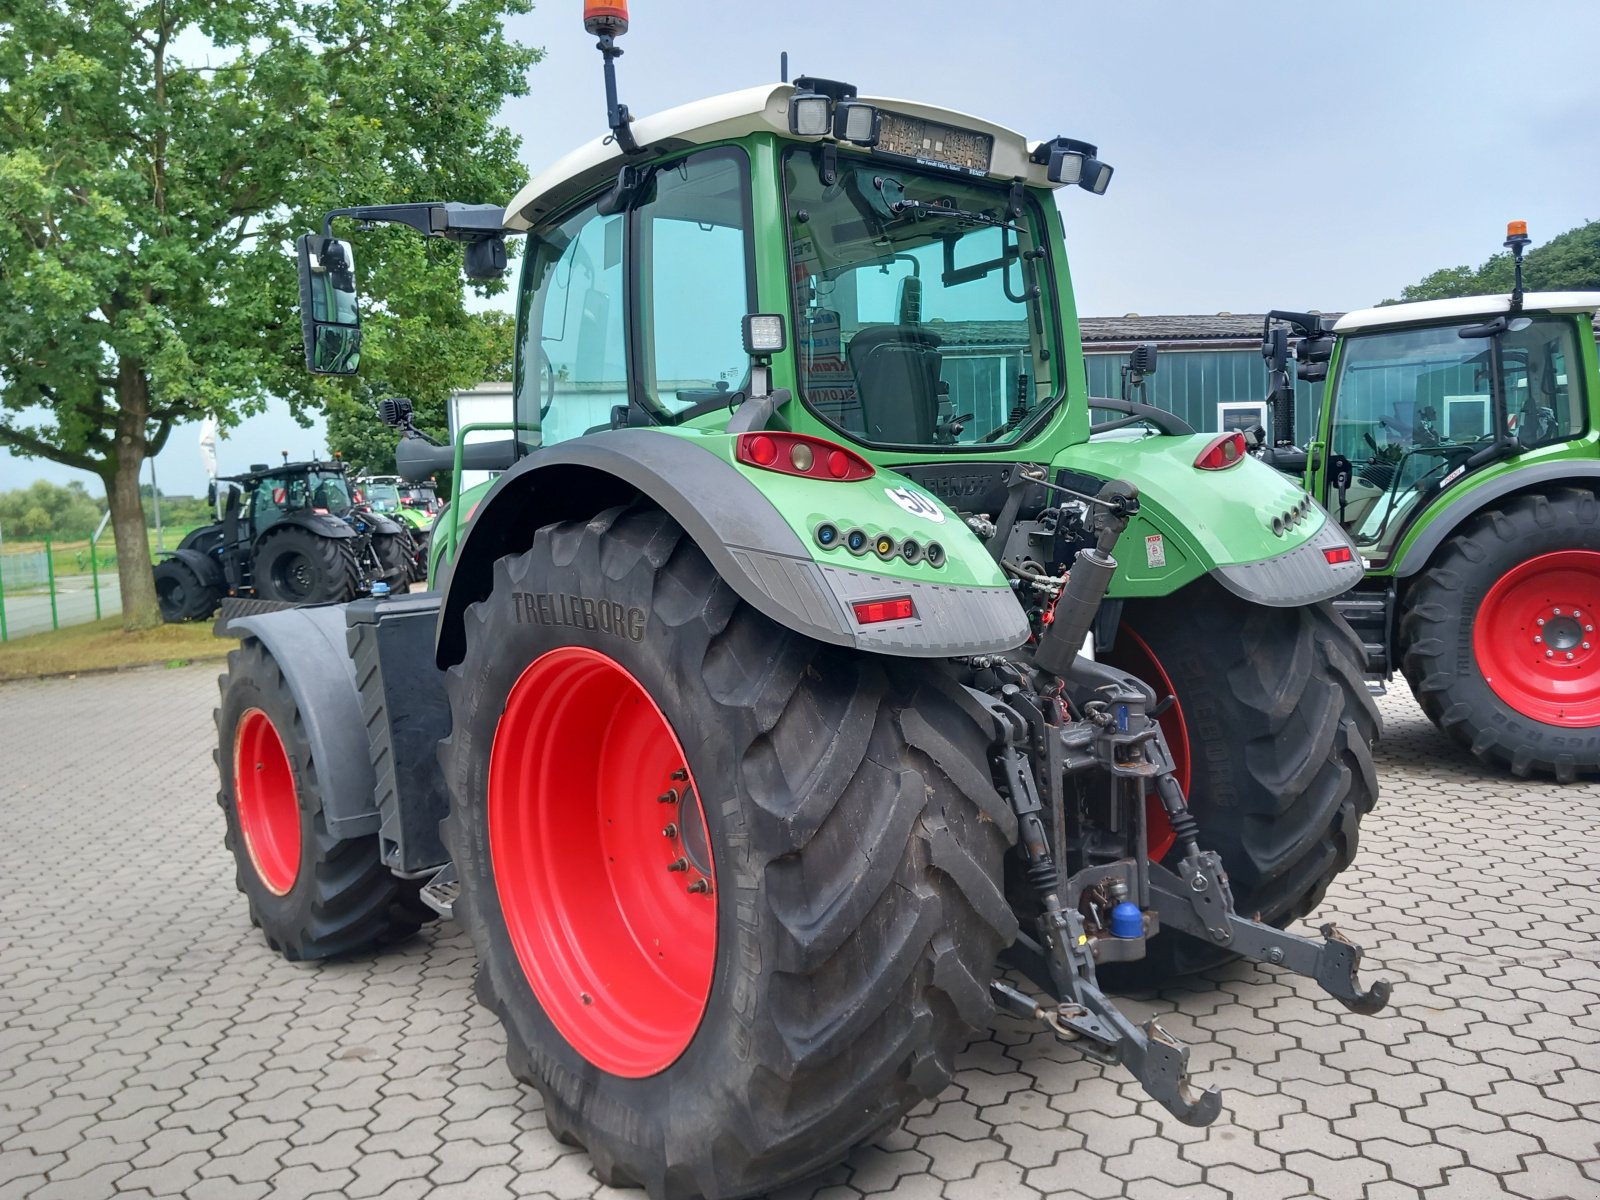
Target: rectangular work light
[
  {"x": 810, "y": 115},
  {"x": 855, "y": 122},
  {"x": 764, "y": 335}
]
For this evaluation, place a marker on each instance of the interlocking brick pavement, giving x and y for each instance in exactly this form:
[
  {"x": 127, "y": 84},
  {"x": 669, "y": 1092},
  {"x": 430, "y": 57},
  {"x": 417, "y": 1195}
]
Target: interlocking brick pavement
[{"x": 151, "y": 1045}]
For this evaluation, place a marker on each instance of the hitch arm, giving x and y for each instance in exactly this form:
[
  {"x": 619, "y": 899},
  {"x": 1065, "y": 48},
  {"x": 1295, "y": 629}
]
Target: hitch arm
[{"x": 1197, "y": 901}]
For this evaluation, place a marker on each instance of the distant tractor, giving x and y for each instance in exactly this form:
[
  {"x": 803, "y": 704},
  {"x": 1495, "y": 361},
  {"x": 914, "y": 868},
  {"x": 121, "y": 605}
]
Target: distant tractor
[
  {"x": 1459, "y": 445},
  {"x": 808, "y": 685},
  {"x": 414, "y": 505},
  {"x": 292, "y": 534}
]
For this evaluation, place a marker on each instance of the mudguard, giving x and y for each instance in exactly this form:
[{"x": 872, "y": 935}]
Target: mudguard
[
  {"x": 748, "y": 541},
  {"x": 1446, "y": 518},
  {"x": 208, "y": 569},
  {"x": 321, "y": 524},
  {"x": 309, "y": 645}
]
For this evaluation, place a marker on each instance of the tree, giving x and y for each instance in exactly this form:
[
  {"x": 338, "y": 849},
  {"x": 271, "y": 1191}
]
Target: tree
[
  {"x": 149, "y": 198},
  {"x": 366, "y": 443},
  {"x": 1567, "y": 262},
  {"x": 48, "y": 508}
]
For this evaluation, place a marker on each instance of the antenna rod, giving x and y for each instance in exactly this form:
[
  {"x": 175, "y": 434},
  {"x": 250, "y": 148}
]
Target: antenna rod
[
  {"x": 617, "y": 114},
  {"x": 1517, "y": 240},
  {"x": 783, "y": 67}
]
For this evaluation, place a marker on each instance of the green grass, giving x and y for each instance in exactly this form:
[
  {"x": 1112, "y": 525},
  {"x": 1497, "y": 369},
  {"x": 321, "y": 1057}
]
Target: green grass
[{"x": 103, "y": 644}]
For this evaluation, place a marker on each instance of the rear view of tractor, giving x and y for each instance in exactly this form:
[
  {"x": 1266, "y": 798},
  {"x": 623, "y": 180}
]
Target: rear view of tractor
[
  {"x": 412, "y": 506},
  {"x": 807, "y": 685},
  {"x": 1459, "y": 444},
  {"x": 292, "y": 534}
]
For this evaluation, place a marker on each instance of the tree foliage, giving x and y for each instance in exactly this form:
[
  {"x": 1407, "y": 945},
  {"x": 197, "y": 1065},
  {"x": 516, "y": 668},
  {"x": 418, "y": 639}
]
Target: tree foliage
[
  {"x": 157, "y": 158},
  {"x": 45, "y": 509},
  {"x": 367, "y": 444},
  {"x": 1567, "y": 262}
]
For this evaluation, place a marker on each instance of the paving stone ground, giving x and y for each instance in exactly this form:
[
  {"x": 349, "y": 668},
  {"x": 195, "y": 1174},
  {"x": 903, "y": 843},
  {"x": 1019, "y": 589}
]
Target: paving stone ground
[{"x": 151, "y": 1044}]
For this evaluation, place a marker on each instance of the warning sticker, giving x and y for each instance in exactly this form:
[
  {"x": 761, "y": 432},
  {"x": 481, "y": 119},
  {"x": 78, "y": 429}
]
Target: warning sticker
[{"x": 1155, "y": 551}]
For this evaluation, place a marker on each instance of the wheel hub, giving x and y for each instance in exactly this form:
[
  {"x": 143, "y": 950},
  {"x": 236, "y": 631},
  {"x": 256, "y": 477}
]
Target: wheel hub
[
  {"x": 1534, "y": 638},
  {"x": 264, "y": 795},
  {"x": 602, "y": 862}
]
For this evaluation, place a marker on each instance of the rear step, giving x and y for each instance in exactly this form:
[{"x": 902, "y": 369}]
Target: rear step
[
  {"x": 1370, "y": 615},
  {"x": 440, "y": 892}
]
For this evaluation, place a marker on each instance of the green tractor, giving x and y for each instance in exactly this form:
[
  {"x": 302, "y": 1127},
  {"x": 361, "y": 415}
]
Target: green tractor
[
  {"x": 414, "y": 505},
  {"x": 807, "y": 686},
  {"x": 1459, "y": 444}
]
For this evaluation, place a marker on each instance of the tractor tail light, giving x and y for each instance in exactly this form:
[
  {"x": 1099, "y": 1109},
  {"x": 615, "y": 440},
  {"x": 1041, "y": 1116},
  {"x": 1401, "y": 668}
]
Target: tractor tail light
[
  {"x": 1222, "y": 453},
  {"x": 1337, "y": 555},
  {"x": 876, "y": 612},
  {"x": 799, "y": 454}
]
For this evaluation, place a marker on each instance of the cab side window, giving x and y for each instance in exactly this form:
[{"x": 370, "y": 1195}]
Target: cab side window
[
  {"x": 574, "y": 348},
  {"x": 696, "y": 281}
]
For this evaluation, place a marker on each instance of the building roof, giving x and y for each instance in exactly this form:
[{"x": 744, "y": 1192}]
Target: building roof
[{"x": 1214, "y": 327}]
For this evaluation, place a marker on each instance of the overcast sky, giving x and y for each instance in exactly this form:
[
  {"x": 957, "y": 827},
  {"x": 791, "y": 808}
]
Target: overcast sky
[{"x": 1266, "y": 155}]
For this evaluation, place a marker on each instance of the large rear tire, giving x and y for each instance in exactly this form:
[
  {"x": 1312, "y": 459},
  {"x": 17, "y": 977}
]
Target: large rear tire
[
  {"x": 314, "y": 895},
  {"x": 1272, "y": 732},
  {"x": 297, "y": 566},
  {"x": 1498, "y": 635},
  {"x": 716, "y": 997}
]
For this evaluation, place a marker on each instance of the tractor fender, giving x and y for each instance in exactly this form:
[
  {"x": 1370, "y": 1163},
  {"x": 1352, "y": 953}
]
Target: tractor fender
[
  {"x": 733, "y": 523},
  {"x": 1527, "y": 478},
  {"x": 207, "y": 568},
  {"x": 322, "y": 524},
  {"x": 311, "y": 649},
  {"x": 380, "y": 523}
]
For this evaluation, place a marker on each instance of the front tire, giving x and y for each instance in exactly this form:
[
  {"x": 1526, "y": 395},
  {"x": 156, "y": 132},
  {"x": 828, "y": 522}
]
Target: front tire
[
  {"x": 181, "y": 594},
  {"x": 741, "y": 1035},
  {"x": 1272, "y": 732},
  {"x": 314, "y": 895},
  {"x": 397, "y": 556},
  {"x": 1498, "y": 635}
]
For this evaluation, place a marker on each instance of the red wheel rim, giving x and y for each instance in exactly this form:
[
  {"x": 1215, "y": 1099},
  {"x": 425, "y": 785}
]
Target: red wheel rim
[
  {"x": 1534, "y": 638},
  {"x": 1133, "y": 654},
  {"x": 602, "y": 862},
  {"x": 269, "y": 810}
]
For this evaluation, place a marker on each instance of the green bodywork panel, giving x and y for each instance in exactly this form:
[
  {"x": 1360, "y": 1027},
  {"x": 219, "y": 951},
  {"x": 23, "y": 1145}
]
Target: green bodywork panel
[
  {"x": 1204, "y": 519},
  {"x": 447, "y": 532}
]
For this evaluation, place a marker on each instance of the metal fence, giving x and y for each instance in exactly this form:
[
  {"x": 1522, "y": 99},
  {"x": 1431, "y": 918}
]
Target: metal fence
[{"x": 35, "y": 596}]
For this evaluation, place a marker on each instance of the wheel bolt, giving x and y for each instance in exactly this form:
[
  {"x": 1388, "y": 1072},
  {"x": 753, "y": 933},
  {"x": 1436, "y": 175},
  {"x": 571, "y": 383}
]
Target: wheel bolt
[
  {"x": 671, "y": 831},
  {"x": 681, "y": 865},
  {"x": 1586, "y": 645},
  {"x": 1537, "y": 638},
  {"x": 1540, "y": 622},
  {"x": 681, "y": 774},
  {"x": 670, "y": 796},
  {"x": 699, "y": 886},
  {"x": 1557, "y": 611},
  {"x": 1569, "y": 655},
  {"x": 1549, "y": 653}
]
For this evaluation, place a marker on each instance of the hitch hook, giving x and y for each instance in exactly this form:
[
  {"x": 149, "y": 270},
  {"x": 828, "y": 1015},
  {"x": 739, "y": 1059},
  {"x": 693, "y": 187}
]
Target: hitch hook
[{"x": 1337, "y": 965}]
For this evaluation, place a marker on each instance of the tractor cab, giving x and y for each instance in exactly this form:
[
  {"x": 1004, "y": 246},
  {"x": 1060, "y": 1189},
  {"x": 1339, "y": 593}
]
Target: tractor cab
[{"x": 269, "y": 495}]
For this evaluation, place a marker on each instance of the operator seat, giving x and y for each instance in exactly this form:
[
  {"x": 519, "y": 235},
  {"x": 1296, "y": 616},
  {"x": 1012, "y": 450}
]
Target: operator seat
[{"x": 896, "y": 369}]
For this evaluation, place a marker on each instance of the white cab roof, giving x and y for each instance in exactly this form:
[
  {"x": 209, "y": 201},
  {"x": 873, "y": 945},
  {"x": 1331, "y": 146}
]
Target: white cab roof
[
  {"x": 1463, "y": 307},
  {"x": 731, "y": 115}
]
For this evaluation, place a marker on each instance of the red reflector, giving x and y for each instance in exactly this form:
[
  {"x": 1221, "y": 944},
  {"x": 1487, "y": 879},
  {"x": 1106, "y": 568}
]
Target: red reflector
[
  {"x": 1339, "y": 554},
  {"x": 875, "y": 612},
  {"x": 802, "y": 455},
  {"x": 1222, "y": 452}
]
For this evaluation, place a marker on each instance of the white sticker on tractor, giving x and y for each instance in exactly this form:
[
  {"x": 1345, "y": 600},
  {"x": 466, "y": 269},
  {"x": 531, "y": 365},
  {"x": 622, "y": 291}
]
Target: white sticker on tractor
[
  {"x": 1155, "y": 551},
  {"x": 916, "y": 504}
]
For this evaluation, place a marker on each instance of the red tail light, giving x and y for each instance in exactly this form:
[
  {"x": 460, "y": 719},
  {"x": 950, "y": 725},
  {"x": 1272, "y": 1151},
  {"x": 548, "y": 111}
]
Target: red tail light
[
  {"x": 1339, "y": 554},
  {"x": 876, "y": 612},
  {"x": 1222, "y": 452},
  {"x": 798, "y": 454}
]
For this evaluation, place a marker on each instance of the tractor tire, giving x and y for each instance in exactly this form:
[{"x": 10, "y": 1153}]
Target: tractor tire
[
  {"x": 1272, "y": 731},
  {"x": 1497, "y": 635},
  {"x": 312, "y": 894},
  {"x": 181, "y": 594},
  {"x": 296, "y": 566},
  {"x": 419, "y": 570},
  {"x": 736, "y": 895},
  {"x": 397, "y": 555}
]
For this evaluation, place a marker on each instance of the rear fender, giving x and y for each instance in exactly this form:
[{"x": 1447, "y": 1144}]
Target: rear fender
[
  {"x": 309, "y": 645},
  {"x": 207, "y": 568},
  {"x": 736, "y": 525},
  {"x": 322, "y": 524}
]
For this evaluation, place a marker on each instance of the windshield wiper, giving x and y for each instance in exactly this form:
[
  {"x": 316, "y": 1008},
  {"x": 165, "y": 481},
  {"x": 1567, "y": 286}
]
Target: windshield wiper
[{"x": 923, "y": 207}]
